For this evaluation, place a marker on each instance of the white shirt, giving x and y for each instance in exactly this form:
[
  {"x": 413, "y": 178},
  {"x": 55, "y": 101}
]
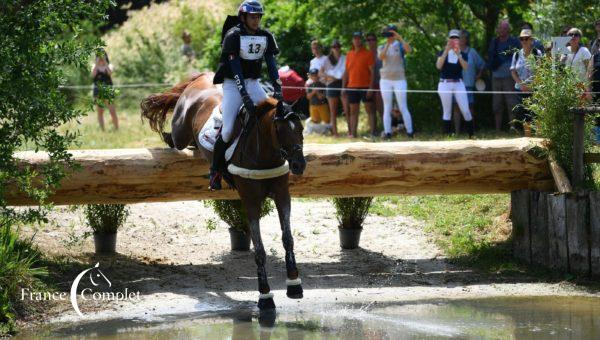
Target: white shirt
[
  {"x": 336, "y": 71},
  {"x": 575, "y": 61},
  {"x": 317, "y": 62}
]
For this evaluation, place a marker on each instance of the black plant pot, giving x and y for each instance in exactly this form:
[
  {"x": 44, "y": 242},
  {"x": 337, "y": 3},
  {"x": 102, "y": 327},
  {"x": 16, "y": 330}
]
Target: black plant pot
[
  {"x": 105, "y": 243},
  {"x": 239, "y": 240},
  {"x": 349, "y": 238}
]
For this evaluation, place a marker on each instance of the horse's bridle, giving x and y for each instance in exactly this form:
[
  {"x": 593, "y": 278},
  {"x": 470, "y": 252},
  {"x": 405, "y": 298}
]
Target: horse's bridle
[{"x": 287, "y": 154}]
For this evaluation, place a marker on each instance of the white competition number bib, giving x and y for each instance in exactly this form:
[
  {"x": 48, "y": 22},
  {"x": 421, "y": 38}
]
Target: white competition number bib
[{"x": 252, "y": 47}]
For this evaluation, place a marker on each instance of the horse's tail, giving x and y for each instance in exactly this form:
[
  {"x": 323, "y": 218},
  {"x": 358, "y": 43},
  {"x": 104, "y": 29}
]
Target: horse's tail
[{"x": 156, "y": 107}]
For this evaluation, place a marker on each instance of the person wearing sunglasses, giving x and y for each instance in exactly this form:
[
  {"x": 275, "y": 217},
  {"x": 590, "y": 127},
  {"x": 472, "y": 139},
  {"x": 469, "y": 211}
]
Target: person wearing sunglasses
[
  {"x": 333, "y": 70},
  {"x": 579, "y": 56},
  {"x": 451, "y": 62},
  {"x": 393, "y": 79},
  {"x": 522, "y": 69}
]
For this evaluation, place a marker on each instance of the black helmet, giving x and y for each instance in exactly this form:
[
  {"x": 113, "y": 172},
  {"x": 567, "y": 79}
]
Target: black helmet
[{"x": 251, "y": 7}]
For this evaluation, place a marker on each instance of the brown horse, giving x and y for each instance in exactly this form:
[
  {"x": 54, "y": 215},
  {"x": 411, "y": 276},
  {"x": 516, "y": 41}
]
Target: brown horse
[{"x": 259, "y": 166}]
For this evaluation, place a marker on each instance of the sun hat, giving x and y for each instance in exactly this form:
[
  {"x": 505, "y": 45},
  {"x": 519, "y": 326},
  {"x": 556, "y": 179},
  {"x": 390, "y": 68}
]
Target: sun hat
[{"x": 526, "y": 33}]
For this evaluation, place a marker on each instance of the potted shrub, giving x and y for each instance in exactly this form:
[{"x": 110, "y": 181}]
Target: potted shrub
[
  {"x": 351, "y": 213},
  {"x": 233, "y": 213},
  {"x": 105, "y": 220}
]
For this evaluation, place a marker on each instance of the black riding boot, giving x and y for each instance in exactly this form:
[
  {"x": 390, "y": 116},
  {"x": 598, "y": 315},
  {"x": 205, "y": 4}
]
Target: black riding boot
[
  {"x": 470, "y": 128},
  {"x": 447, "y": 127},
  {"x": 218, "y": 164}
]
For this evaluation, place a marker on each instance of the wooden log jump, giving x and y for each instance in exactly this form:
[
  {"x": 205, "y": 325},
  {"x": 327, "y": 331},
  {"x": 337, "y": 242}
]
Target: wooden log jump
[{"x": 349, "y": 170}]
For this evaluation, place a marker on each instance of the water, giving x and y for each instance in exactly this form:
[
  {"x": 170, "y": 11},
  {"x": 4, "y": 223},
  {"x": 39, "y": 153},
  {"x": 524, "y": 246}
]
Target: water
[{"x": 498, "y": 318}]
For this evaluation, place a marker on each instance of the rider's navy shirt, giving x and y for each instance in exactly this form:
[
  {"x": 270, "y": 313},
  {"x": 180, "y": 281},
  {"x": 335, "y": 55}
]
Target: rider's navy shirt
[{"x": 251, "y": 48}]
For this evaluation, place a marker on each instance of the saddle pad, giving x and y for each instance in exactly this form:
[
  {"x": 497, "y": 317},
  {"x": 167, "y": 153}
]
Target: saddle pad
[{"x": 210, "y": 131}]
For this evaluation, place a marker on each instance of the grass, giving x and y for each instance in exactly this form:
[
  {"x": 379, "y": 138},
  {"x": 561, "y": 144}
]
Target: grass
[{"x": 471, "y": 229}]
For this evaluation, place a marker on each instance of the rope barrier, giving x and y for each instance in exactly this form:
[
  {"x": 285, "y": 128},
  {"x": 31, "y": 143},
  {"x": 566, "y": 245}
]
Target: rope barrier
[{"x": 147, "y": 85}]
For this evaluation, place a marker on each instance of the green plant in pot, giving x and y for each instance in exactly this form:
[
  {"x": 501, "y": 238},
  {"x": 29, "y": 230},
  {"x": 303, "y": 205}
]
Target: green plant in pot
[
  {"x": 351, "y": 213},
  {"x": 105, "y": 220},
  {"x": 233, "y": 213}
]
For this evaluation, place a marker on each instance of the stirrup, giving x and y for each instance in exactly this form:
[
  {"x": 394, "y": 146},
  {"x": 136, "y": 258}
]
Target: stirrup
[{"x": 215, "y": 180}]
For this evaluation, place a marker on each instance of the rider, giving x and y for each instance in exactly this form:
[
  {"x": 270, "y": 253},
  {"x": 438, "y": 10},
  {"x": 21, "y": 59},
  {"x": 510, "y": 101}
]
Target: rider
[{"x": 243, "y": 49}]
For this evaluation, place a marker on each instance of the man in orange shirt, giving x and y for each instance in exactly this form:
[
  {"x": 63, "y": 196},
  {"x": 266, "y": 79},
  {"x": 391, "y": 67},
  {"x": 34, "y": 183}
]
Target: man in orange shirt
[{"x": 357, "y": 82}]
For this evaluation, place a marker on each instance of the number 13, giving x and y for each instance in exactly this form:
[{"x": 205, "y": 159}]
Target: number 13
[{"x": 254, "y": 48}]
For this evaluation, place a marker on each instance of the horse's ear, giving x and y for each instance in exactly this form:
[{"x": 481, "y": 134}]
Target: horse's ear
[{"x": 279, "y": 111}]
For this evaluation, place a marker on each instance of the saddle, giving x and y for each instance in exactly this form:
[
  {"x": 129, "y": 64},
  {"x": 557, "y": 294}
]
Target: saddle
[{"x": 212, "y": 129}]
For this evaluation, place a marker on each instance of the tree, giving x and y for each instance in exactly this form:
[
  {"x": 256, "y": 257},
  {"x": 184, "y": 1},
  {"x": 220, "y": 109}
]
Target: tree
[{"x": 40, "y": 38}]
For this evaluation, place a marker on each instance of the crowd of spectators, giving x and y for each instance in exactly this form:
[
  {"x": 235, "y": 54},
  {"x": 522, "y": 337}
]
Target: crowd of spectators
[{"x": 375, "y": 75}]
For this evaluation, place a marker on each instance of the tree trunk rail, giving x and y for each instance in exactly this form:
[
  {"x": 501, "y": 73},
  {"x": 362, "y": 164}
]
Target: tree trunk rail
[{"x": 333, "y": 170}]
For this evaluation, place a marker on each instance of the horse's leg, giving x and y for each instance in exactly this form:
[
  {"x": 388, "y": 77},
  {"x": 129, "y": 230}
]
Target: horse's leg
[
  {"x": 281, "y": 195},
  {"x": 253, "y": 196}
]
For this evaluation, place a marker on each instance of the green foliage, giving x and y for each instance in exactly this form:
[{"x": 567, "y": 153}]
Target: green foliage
[
  {"x": 556, "y": 90},
  {"x": 234, "y": 214},
  {"x": 351, "y": 211},
  {"x": 106, "y": 218},
  {"x": 19, "y": 268},
  {"x": 34, "y": 50}
]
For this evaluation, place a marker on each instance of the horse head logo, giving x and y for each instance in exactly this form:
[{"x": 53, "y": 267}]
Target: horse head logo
[{"x": 96, "y": 276}]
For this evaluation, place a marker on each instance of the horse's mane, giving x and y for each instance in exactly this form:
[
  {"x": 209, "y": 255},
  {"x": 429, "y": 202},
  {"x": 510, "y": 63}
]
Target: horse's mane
[
  {"x": 156, "y": 107},
  {"x": 266, "y": 106}
]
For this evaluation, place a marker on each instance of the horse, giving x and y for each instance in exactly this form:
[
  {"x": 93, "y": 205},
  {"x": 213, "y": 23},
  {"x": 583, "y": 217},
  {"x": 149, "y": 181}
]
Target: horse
[{"x": 259, "y": 167}]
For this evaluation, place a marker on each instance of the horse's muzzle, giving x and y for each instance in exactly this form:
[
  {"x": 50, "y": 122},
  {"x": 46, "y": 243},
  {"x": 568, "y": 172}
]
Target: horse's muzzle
[{"x": 297, "y": 165}]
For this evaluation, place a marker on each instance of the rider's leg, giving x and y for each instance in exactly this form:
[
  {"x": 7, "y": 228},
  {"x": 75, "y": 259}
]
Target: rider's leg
[
  {"x": 232, "y": 100},
  {"x": 255, "y": 91}
]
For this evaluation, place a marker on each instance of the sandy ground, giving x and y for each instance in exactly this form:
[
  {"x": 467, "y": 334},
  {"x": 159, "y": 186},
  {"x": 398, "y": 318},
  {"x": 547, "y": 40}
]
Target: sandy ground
[{"x": 179, "y": 266}]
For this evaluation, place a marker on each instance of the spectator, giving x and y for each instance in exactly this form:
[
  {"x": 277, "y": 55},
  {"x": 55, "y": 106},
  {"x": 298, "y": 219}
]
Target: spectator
[
  {"x": 315, "y": 93},
  {"x": 376, "y": 95},
  {"x": 102, "y": 74},
  {"x": 537, "y": 44},
  {"x": 594, "y": 71},
  {"x": 579, "y": 57},
  {"x": 393, "y": 79},
  {"x": 186, "y": 49},
  {"x": 522, "y": 70},
  {"x": 357, "y": 79},
  {"x": 500, "y": 55},
  {"x": 333, "y": 71},
  {"x": 451, "y": 62},
  {"x": 470, "y": 76},
  {"x": 319, "y": 59}
]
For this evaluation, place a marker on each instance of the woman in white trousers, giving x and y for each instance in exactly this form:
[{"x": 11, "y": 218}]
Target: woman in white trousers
[
  {"x": 393, "y": 79},
  {"x": 451, "y": 63}
]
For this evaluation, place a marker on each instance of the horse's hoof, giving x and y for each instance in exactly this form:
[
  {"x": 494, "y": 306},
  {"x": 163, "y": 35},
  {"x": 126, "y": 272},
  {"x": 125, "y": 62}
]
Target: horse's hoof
[
  {"x": 294, "y": 288},
  {"x": 295, "y": 292},
  {"x": 266, "y": 304}
]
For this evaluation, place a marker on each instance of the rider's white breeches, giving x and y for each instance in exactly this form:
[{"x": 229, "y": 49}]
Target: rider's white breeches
[{"x": 232, "y": 100}]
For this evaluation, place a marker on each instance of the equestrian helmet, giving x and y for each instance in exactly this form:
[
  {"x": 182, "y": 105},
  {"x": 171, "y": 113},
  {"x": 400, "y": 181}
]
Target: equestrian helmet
[{"x": 251, "y": 7}]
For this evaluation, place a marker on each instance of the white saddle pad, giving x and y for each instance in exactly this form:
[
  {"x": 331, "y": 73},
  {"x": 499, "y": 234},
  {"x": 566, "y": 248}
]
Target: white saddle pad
[{"x": 209, "y": 132}]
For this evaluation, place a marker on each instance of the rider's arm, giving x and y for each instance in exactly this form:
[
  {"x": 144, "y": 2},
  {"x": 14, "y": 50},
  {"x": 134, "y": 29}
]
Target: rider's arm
[
  {"x": 273, "y": 74},
  {"x": 236, "y": 69}
]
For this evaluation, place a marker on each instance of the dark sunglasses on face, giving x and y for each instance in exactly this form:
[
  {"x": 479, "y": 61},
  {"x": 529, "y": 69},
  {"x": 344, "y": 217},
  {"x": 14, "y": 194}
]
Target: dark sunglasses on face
[
  {"x": 524, "y": 39},
  {"x": 573, "y": 35}
]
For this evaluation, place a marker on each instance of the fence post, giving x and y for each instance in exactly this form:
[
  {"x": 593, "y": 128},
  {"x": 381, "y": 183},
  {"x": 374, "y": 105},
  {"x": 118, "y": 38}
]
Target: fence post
[
  {"x": 595, "y": 232},
  {"x": 578, "y": 148}
]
